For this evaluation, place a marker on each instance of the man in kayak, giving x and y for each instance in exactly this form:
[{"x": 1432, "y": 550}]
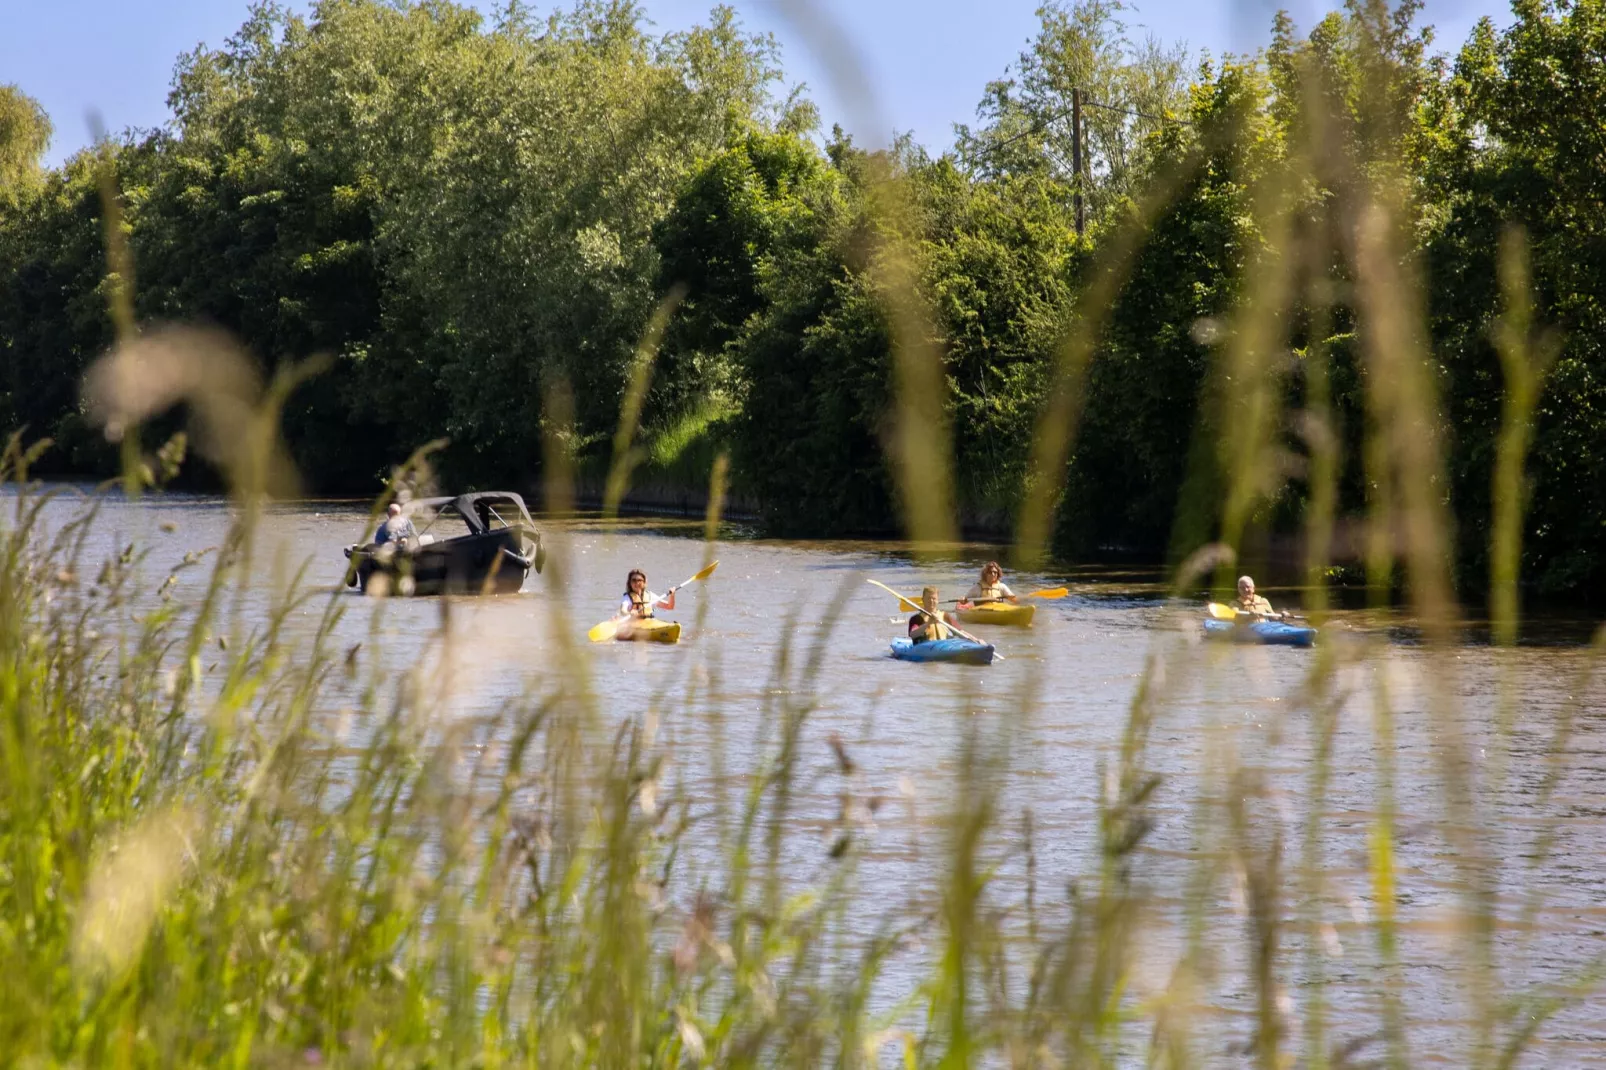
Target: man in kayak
[
  {"x": 395, "y": 527},
  {"x": 1250, "y": 602},
  {"x": 638, "y": 602},
  {"x": 930, "y": 624},
  {"x": 990, "y": 588}
]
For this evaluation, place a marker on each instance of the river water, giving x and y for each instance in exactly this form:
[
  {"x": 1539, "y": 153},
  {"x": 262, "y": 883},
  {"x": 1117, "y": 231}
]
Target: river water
[{"x": 1050, "y": 718}]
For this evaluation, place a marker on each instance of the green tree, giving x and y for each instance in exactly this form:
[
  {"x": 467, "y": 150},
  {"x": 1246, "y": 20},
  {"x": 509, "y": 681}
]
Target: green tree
[
  {"x": 742, "y": 208},
  {"x": 24, "y": 136},
  {"x": 778, "y": 253},
  {"x": 53, "y": 319},
  {"x": 1128, "y": 91},
  {"x": 1147, "y": 386},
  {"x": 1000, "y": 261},
  {"x": 1525, "y": 151},
  {"x": 460, "y": 213}
]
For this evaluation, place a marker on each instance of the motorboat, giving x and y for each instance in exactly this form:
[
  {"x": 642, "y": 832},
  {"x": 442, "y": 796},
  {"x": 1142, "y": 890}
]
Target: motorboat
[{"x": 482, "y": 543}]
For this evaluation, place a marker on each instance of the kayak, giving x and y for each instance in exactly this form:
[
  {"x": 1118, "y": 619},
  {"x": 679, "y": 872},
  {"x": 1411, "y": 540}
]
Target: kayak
[
  {"x": 650, "y": 630},
  {"x": 962, "y": 651},
  {"x": 1270, "y": 632},
  {"x": 998, "y": 613}
]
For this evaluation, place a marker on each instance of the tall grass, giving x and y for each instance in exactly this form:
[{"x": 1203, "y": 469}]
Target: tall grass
[{"x": 227, "y": 842}]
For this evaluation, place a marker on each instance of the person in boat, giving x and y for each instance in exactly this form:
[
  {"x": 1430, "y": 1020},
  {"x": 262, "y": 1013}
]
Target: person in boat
[
  {"x": 931, "y": 623},
  {"x": 1250, "y": 602},
  {"x": 395, "y": 527},
  {"x": 638, "y": 602},
  {"x": 990, "y": 588}
]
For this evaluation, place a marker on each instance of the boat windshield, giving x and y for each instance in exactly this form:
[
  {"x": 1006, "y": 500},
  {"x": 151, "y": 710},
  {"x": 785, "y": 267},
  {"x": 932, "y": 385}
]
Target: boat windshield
[{"x": 443, "y": 523}]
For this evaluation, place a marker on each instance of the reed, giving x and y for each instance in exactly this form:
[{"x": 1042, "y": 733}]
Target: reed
[{"x": 227, "y": 841}]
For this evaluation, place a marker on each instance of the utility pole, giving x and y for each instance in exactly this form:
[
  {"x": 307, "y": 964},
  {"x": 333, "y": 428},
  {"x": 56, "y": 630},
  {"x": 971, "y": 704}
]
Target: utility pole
[{"x": 1076, "y": 158}]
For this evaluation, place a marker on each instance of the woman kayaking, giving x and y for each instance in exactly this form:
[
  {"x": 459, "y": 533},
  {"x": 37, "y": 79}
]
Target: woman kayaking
[
  {"x": 638, "y": 602},
  {"x": 931, "y": 623},
  {"x": 990, "y": 588},
  {"x": 636, "y": 618}
]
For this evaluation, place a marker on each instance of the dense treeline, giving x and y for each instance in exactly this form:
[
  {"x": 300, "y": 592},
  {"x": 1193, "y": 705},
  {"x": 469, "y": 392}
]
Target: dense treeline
[{"x": 468, "y": 216}]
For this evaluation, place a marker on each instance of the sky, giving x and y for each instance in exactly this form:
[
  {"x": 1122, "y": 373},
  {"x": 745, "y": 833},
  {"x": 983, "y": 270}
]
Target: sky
[{"x": 921, "y": 65}]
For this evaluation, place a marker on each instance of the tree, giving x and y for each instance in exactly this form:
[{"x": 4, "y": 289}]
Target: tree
[
  {"x": 1128, "y": 90},
  {"x": 1525, "y": 151},
  {"x": 1147, "y": 388},
  {"x": 53, "y": 319},
  {"x": 24, "y": 135},
  {"x": 460, "y": 215},
  {"x": 743, "y": 208}
]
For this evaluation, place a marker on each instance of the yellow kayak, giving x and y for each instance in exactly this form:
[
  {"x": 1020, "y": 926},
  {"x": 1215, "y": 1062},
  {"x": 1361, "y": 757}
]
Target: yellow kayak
[
  {"x": 998, "y": 613},
  {"x": 650, "y": 630}
]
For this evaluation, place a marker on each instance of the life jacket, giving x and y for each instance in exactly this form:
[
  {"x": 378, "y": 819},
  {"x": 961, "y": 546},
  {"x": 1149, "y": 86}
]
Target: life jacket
[
  {"x": 640, "y": 607},
  {"x": 984, "y": 593},
  {"x": 931, "y": 629}
]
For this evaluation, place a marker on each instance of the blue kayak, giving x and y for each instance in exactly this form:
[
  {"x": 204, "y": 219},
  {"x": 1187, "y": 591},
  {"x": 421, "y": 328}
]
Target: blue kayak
[
  {"x": 962, "y": 651},
  {"x": 1270, "y": 632}
]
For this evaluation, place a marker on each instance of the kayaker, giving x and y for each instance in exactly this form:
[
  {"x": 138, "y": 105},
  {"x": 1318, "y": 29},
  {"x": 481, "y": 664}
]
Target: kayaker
[
  {"x": 990, "y": 588},
  {"x": 931, "y": 623},
  {"x": 1250, "y": 602},
  {"x": 638, "y": 602}
]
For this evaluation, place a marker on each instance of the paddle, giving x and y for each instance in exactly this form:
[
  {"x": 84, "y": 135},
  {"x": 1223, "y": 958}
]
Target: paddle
[
  {"x": 922, "y": 609},
  {"x": 1048, "y": 594},
  {"x": 1221, "y": 612},
  {"x": 609, "y": 629}
]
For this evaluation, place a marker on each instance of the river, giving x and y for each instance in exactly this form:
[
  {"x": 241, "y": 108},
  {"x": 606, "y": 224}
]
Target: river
[{"x": 1052, "y": 714}]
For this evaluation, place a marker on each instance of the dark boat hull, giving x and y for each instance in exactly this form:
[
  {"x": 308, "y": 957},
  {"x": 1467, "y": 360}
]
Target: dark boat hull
[{"x": 496, "y": 562}]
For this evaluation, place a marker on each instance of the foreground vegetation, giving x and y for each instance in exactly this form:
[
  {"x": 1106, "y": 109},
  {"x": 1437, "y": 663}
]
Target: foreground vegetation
[
  {"x": 469, "y": 215},
  {"x": 229, "y": 837}
]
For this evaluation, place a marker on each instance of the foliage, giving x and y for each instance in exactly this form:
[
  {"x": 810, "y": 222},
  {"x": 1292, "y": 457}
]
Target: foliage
[
  {"x": 229, "y": 838},
  {"x": 764, "y": 196},
  {"x": 1520, "y": 151},
  {"x": 53, "y": 318},
  {"x": 202, "y": 868},
  {"x": 784, "y": 285},
  {"x": 1148, "y": 402},
  {"x": 1129, "y": 91},
  {"x": 469, "y": 214},
  {"x": 460, "y": 215},
  {"x": 24, "y": 135}
]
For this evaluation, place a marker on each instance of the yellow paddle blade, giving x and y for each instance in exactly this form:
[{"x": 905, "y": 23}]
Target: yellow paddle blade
[
  {"x": 703, "y": 575},
  {"x": 908, "y": 604},
  {"x": 603, "y": 632},
  {"x": 1221, "y": 612},
  {"x": 1051, "y": 593}
]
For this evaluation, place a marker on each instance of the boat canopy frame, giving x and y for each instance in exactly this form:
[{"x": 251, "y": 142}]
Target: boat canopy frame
[{"x": 476, "y": 509}]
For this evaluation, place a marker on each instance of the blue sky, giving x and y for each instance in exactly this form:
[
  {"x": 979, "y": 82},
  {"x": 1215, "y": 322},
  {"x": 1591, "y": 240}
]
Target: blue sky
[{"x": 924, "y": 62}]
